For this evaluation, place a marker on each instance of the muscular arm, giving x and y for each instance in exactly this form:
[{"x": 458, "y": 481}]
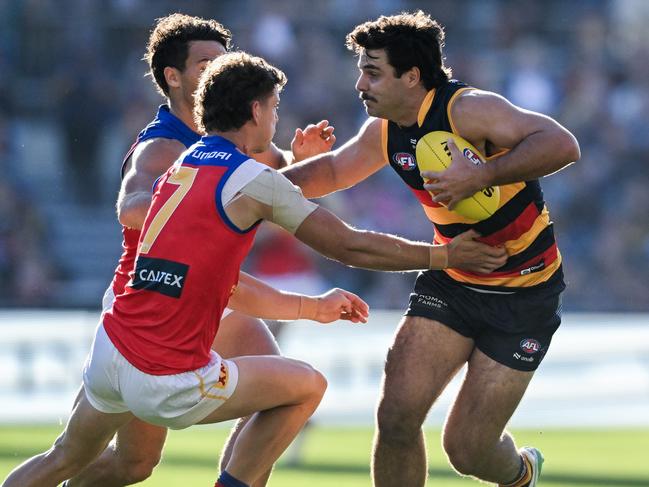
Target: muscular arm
[
  {"x": 333, "y": 238},
  {"x": 271, "y": 197},
  {"x": 539, "y": 145},
  {"x": 149, "y": 160},
  {"x": 356, "y": 160},
  {"x": 256, "y": 298}
]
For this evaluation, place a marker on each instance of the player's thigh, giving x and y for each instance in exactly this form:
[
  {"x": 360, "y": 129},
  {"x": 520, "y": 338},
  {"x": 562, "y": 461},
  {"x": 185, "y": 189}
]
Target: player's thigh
[
  {"x": 138, "y": 440},
  {"x": 240, "y": 334},
  {"x": 267, "y": 382},
  {"x": 88, "y": 431},
  {"x": 423, "y": 358},
  {"x": 486, "y": 401}
]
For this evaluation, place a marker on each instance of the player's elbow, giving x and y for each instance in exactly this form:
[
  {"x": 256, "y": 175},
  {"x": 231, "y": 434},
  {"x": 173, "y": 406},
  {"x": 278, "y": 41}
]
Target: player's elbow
[
  {"x": 569, "y": 148},
  {"x": 129, "y": 218},
  {"x": 132, "y": 210}
]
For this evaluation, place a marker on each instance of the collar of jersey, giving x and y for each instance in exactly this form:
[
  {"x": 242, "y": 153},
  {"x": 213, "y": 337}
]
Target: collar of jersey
[
  {"x": 217, "y": 140},
  {"x": 165, "y": 115}
]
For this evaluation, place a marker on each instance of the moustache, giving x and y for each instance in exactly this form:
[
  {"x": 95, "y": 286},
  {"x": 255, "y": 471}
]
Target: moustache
[{"x": 366, "y": 97}]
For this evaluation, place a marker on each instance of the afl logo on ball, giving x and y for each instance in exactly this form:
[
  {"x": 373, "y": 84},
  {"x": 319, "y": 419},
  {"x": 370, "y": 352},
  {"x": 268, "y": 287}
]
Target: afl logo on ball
[
  {"x": 405, "y": 161},
  {"x": 470, "y": 155},
  {"x": 530, "y": 346}
]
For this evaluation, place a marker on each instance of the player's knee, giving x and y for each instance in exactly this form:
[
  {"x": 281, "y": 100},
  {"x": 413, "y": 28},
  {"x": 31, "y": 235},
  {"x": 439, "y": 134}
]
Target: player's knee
[
  {"x": 318, "y": 385},
  {"x": 394, "y": 425},
  {"x": 313, "y": 384},
  {"x": 461, "y": 453},
  {"x": 138, "y": 469}
]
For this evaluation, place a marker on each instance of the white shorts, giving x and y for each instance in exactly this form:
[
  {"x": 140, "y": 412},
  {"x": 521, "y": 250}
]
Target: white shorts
[{"x": 113, "y": 385}]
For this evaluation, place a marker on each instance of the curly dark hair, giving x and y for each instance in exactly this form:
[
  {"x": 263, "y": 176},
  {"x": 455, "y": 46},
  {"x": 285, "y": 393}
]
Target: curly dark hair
[
  {"x": 169, "y": 43},
  {"x": 228, "y": 87},
  {"x": 409, "y": 39}
]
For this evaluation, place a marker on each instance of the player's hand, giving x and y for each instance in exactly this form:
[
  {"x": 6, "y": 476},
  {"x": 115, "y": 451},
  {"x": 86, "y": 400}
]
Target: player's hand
[
  {"x": 313, "y": 140},
  {"x": 338, "y": 304},
  {"x": 465, "y": 252},
  {"x": 462, "y": 179}
]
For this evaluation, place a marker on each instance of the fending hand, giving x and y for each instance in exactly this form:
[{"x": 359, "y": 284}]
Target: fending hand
[
  {"x": 338, "y": 304},
  {"x": 312, "y": 140}
]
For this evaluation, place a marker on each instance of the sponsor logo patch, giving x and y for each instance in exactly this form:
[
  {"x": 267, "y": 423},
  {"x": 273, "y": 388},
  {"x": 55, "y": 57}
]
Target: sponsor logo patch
[
  {"x": 530, "y": 346},
  {"x": 160, "y": 275},
  {"x": 535, "y": 268},
  {"x": 431, "y": 301},
  {"x": 524, "y": 358},
  {"x": 405, "y": 160}
]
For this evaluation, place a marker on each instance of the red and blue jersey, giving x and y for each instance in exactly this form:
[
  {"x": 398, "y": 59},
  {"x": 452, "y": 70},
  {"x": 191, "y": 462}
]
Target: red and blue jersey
[
  {"x": 165, "y": 125},
  {"x": 187, "y": 265}
]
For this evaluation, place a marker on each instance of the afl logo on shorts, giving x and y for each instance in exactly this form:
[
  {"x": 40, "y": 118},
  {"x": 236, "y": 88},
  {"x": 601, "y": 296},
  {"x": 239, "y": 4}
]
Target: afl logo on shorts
[
  {"x": 530, "y": 346},
  {"x": 405, "y": 160}
]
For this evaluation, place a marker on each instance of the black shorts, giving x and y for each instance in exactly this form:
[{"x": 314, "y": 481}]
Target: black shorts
[{"x": 512, "y": 329}]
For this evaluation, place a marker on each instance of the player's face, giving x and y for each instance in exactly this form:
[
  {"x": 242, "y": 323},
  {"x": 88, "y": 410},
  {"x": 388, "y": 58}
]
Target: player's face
[
  {"x": 200, "y": 53},
  {"x": 268, "y": 121},
  {"x": 381, "y": 91}
]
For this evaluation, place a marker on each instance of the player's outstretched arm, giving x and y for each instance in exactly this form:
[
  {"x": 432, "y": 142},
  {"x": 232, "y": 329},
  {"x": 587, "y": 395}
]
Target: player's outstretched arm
[
  {"x": 270, "y": 196},
  {"x": 149, "y": 161},
  {"x": 333, "y": 238},
  {"x": 356, "y": 160},
  {"x": 256, "y": 298}
]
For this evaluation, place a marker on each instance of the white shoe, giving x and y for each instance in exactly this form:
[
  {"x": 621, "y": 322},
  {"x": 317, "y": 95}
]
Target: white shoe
[{"x": 536, "y": 460}]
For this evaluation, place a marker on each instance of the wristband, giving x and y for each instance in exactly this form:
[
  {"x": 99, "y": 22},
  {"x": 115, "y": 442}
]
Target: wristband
[
  {"x": 308, "y": 307},
  {"x": 438, "y": 257},
  {"x": 299, "y": 310}
]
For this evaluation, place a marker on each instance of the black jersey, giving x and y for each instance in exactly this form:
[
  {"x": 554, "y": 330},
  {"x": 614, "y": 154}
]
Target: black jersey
[{"x": 521, "y": 223}]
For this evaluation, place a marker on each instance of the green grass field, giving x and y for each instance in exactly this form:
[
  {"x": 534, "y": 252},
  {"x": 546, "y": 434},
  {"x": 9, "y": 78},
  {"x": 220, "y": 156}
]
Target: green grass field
[{"x": 340, "y": 457}]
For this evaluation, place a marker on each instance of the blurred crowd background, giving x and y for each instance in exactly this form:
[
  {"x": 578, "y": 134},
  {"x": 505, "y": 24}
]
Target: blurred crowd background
[{"x": 73, "y": 96}]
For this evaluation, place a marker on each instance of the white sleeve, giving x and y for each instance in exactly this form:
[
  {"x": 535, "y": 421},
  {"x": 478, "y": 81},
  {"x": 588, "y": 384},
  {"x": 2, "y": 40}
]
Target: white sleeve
[{"x": 290, "y": 207}]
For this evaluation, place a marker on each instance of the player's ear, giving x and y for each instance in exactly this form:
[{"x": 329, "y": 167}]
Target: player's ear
[
  {"x": 172, "y": 77},
  {"x": 412, "y": 76},
  {"x": 255, "y": 108}
]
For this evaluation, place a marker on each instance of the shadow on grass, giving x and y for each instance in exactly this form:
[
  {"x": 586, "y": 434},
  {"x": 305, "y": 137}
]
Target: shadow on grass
[
  {"x": 333, "y": 468},
  {"x": 567, "y": 478}
]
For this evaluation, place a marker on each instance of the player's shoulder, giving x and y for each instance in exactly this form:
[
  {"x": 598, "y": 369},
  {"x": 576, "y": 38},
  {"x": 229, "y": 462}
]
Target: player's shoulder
[
  {"x": 372, "y": 124},
  {"x": 157, "y": 151},
  {"x": 371, "y": 131},
  {"x": 474, "y": 100}
]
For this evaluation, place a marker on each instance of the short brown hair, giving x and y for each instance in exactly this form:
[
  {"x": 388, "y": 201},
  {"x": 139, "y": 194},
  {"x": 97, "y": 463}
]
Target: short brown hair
[
  {"x": 409, "y": 39},
  {"x": 228, "y": 87},
  {"x": 169, "y": 43}
]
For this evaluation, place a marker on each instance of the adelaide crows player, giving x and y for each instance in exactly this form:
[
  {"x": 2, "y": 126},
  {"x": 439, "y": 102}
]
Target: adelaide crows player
[{"x": 498, "y": 324}]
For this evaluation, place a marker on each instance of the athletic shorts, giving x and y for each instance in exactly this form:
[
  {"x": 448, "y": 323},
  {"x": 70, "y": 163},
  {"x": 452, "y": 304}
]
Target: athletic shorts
[
  {"x": 514, "y": 329},
  {"x": 113, "y": 385}
]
